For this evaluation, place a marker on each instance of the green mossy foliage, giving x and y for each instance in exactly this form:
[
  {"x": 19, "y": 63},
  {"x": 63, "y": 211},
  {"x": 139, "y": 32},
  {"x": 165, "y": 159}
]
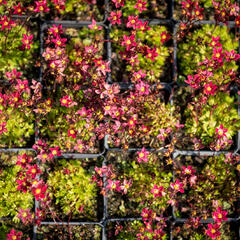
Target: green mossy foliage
[
  {"x": 11, "y": 200},
  {"x": 219, "y": 109},
  {"x": 72, "y": 190}
]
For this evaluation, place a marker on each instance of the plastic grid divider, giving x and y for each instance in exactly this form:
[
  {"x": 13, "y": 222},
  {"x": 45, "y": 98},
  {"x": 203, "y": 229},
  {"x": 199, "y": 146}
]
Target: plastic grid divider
[{"x": 173, "y": 24}]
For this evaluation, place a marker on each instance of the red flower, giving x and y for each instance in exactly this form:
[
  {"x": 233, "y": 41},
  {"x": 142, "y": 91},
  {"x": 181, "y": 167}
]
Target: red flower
[
  {"x": 23, "y": 160},
  {"x": 33, "y": 170},
  {"x": 13, "y": 235},
  {"x": 18, "y": 9},
  {"x": 114, "y": 185},
  {"x": 177, "y": 186},
  {"x": 128, "y": 42},
  {"x": 157, "y": 191},
  {"x": 221, "y": 131},
  {"x": 132, "y": 22},
  {"x": 41, "y": 6},
  {"x": 151, "y": 54},
  {"x": 215, "y": 42},
  {"x": 25, "y": 216},
  {"x": 67, "y": 101},
  {"x": 72, "y": 133},
  {"x": 164, "y": 37},
  {"x": 115, "y": 17},
  {"x": 188, "y": 170},
  {"x": 210, "y": 88},
  {"x": 143, "y": 155},
  {"x": 59, "y": 42},
  {"x": 39, "y": 190},
  {"x": 3, "y": 2},
  {"x": 6, "y": 23},
  {"x": 141, "y": 5},
  {"x": 55, "y": 152},
  {"x": 94, "y": 26},
  {"x": 3, "y": 128},
  {"x": 118, "y": 3},
  {"x": 220, "y": 215},
  {"x": 212, "y": 231},
  {"x": 55, "y": 30},
  {"x": 27, "y": 41}
]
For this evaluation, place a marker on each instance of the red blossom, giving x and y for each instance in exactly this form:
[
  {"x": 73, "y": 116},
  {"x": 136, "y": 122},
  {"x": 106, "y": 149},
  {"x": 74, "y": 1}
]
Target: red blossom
[
  {"x": 39, "y": 190},
  {"x": 23, "y": 160},
  {"x": 13, "y": 235},
  {"x": 115, "y": 17},
  {"x": 72, "y": 133},
  {"x": 212, "y": 231},
  {"x": 221, "y": 131},
  {"x": 219, "y": 215},
  {"x": 6, "y": 23},
  {"x": 141, "y": 5},
  {"x": 143, "y": 155},
  {"x": 41, "y": 6},
  {"x": 157, "y": 191},
  {"x": 27, "y": 41},
  {"x": 210, "y": 89},
  {"x": 18, "y": 9},
  {"x": 55, "y": 152},
  {"x": 129, "y": 42},
  {"x": 94, "y": 26},
  {"x": 3, "y": 128},
  {"x": 177, "y": 186}
]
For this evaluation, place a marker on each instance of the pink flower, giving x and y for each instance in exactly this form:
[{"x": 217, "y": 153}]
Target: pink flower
[
  {"x": 151, "y": 54},
  {"x": 217, "y": 54},
  {"x": 3, "y": 127},
  {"x": 221, "y": 131},
  {"x": 23, "y": 160},
  {"x": 177, "y": 186},
  {"x": 115, "y": 17},
  {"x": 80, "y": 146},
  {"x": 132, "y": 22},
  {"x": 143, "y": 88},
  {"x": 67, "y": 101},
  {"x": 55, "y": 152},
  {"x": 13, "y": 75},
  {"x": 114, "y": 185},
  {"x": 41, "y": 6},
  {"x": 157, "y": 191},
  {"x": 164, "y": 37},
  {"x": 141, "y": 5},
  {"x": 6, "y": 23},
  {"x": 39, "y": 190},
  {"x": 215, "y": 42},
  {"x": 72, "y": 133},
  {"x": 13, "y": 235},
  {"x": 125, "y": 186},
  {"x": 188, "y": 170},
  {"x": 27, "y": 41},
  {"x": 118, "y": 3},
  {"x": 25, "y": 216},
  {"x": 212, "y": 231},
  {"x": 210, "y": 88},
  {"x": 94, "y": 26},
  {"x": 219, "y": 215},
  {"x": 147, "y": 214},
  {"x": 55, "y": 30},
  {"x": 129, "y": 42},
  {"x": 17, "y": 9},
  {"x": 143, "y": 155}
]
